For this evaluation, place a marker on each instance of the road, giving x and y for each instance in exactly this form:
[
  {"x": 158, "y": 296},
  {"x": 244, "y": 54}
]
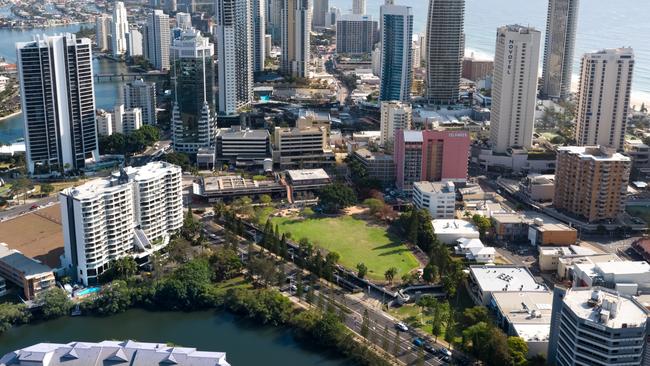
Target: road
[
  {"x": 379, "y": 321},
  {"x": 18, "y": 210}
]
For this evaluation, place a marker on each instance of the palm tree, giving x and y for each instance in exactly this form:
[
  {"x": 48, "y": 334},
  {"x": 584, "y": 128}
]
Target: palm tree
[{"x": 390, "y": 274}]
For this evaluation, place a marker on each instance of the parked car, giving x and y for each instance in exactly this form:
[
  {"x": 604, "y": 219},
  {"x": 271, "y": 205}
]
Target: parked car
[
  {"x": 429, "y": 348},
  {"x": 418, "y": 342}
]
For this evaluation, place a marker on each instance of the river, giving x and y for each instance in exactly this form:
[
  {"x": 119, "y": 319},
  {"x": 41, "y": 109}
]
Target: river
[{"x": 244, "y": 342}]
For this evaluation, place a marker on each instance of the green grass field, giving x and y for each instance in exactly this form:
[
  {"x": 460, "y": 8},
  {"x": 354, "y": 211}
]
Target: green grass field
[{"x": 355, "y": 241}]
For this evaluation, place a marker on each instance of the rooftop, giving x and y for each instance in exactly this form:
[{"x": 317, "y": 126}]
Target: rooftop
[
  {"x": 596, "y": 153},
  {"x": 112, "y": 352},
  {"x": 606, "y": 307},
  {"x": 451, "y": 226},
  {"x": 27, "y": 266},
  {"x": 505, "y": 278},
  {"x": 434, "y": 187},
  {"x": 233, "y": 182},
  {"x": 528, "y": 312},
  {"x": 373, "y": 155},
  {"x": 307, "y": 174},
  {"x": 624, "y": 267},
  {"x": 246, "y": 134}
]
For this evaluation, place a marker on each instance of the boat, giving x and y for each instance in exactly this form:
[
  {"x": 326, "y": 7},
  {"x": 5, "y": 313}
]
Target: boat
[{"x": 76, "y": 311}]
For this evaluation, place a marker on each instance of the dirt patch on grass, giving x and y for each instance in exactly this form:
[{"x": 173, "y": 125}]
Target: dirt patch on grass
[{"x": 38, "y": 235}]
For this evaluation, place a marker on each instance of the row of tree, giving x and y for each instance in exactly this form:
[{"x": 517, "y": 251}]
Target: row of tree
[{"x": 135, "y": 142}]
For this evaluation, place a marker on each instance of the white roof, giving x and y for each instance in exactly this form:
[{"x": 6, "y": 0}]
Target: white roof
[
  {"x": 533, "y": 332},
  {"x": 470, "y": 243},
  {"x": 624, "y": 267},
  {"x": 307, "y": 174},
  {"x": 413, "y": 136},
  {"x": 629, "y": 312},
  {"x": 447, "y": 226},
  {"x": 505, "y": 278}
]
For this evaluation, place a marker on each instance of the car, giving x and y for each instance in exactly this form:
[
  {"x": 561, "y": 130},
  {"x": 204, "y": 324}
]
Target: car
[
  {"x": 418, "y": 342},
  {"x": 293, "y": 288},
  {"x": 445, "y": 352},
  {"x": 401, "y": 326},
  {"x": 429, "y": 348},
  {"x": 33, "y": 207}
]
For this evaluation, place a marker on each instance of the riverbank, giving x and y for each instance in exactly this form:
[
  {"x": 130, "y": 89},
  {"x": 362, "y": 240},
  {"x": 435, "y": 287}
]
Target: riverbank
[{"x": 3, "y": 118}]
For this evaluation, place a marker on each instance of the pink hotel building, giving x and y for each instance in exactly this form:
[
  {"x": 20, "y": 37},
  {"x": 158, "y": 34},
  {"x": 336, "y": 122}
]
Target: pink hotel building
[{"x": 430, "y": 156}]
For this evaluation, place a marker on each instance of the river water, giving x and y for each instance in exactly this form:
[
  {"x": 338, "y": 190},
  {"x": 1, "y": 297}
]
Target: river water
[{"x": 244, "y": 342}]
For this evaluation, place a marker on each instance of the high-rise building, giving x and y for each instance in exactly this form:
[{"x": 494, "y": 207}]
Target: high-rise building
[
  {"x": 332, "y": 16},
  {"x": 604, "y": 97},
  {"x": 194, "y": 124},
  {"x": 321, "y": 7},
  {"x": 359, "y": 7},
  {"x": 394, "y": 116},
  {"x": 445, "y": 50},
  {"x": 235, "y": 53},
  {"x": 131, "y": 213},
  {"x": 183, "y": 20},
  {"x": 142, "y": 94},
  {"x": 274, "y": 20},
  {"x": 596, "y": 326},
  {"x": 126, "y": 120},
  {"x": 302, "y": 146},
  {"x": 591, "y": 182},
  {"x": 436, "y": 197},
  {"x": 355, "y": 34},
  {"x": 134, "y": 42},
  {"x": 561, "y": 24},
  {"x": 476, "y": 70},
  {"x": 157, "y": 39},
  {"x": 259, "y": 35},
  {"x": 58, "y": 102},
  {"x": 430, "y": 156},
  {"x": 120, "y": 27},
  {"x": 296, "y": 29},
  {"x": 396, "y": 52},
  {"x": 102, "y": 31},
  {"x": 514, "y": 91}
]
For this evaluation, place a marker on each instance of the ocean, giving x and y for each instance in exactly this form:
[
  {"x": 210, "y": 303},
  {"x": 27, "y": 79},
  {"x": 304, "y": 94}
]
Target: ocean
[{"x": 601, "y": 24}]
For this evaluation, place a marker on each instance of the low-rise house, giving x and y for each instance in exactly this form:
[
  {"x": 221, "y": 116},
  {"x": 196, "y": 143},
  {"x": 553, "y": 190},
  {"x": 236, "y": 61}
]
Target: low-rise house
[
  {"x": 474, "y": 250},
  {"x": 29, "y": 274},
  {"x": 449, "y": 231}
]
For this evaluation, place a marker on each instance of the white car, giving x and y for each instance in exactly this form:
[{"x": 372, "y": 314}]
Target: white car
[{"x": 401, "y": 326}]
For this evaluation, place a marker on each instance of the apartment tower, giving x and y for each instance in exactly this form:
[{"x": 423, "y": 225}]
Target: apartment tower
[
  {"x": 234, "y": 25},
  {"x": 561, "y": 25},
  {"x": 604, "y": 97},
  {"x": 355, "y": 34},
  {"x": 394, "y": 116},
  {"x": 396, "y": 52},
  {"x": 259, "y": 34},
  {"x": 591, "y": 182},
  {"x": 157, "y": 39},
  {"x": 142, "y": 94},
  {"x": 102, "y": 32},
  {"x": 58, "y": 102},
  {"x": 120, "y": 27},
  {"x": 296, "y": 29},
  {"x": 359, "y": 7},
  {"x": 445, "y": 50},
  {"x": 514, "y": 91}
]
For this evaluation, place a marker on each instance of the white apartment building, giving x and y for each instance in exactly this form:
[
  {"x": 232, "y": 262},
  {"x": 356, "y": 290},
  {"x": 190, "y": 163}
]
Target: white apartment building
[
  {"x": 355, "y": 34},
  {"x": 157, "y": 40},
  {"x": 134, "y": 42},
  {"x": 132, "y": 212},
  {"x": 104, "y": 123},
  {"x": 604, "y": 97},
  {"x": 296, "y": 33},
  {"x": 102, "y": 31},
  {"x": 141, "y": 94},
  {"x": 394, "y": 116},
  {"x": 301, "y": 146},
  {"x": 121, "y": 120},
  {"x": 234, "y": 34},
  {"x": 437, "y": 197},
  {"x": 359, "y": 7},
  {"x": 596, "y": 326},
  {"x": 514, "y": 91},
  {"x": 60, "y": 127},
  {"x": 120, "y": 27},
  {"x": 184, "y": 20}
]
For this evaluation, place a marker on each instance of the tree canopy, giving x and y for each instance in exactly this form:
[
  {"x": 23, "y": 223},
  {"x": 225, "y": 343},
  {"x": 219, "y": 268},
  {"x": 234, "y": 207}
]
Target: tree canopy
[{"x": 336, "y": 197}]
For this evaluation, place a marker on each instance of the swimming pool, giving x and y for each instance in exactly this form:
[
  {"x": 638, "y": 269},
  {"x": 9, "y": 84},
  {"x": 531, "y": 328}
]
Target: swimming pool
[{"x": 88, "y": 291}]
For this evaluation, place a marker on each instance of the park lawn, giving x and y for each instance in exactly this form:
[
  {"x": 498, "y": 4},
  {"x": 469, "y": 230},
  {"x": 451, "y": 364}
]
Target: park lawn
[{"x": 355, "y": 240}]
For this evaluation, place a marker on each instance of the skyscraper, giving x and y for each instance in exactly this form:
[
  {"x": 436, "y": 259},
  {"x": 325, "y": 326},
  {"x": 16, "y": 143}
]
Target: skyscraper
[
  {"x": 120, "y": 28},
  {"x": 604, "y": 97},
  {"x": 321, "y": 7},
  {"x": 561, "y": 24},
  {"x": 514, "y": 91},
  {"x": 142, "y": 94},
  {"x": 184, "y": 20},
  {"x": 296, "y": 29},
  {"x": 445, "y": 50},
  {"x": 274, "y": 20},
  {"x": 235, "y": 54},
  {"x": 194, "y": 124},
  {"x": 259, "y": 35},
  {"x": 394, "y": 116},
  {"x": 355, "y": 34},
  {"x": 396, "y": 52},
  {"x": 58, "y": 102},
  {"x": 134, "y": 42},
  {"x": 157, "y": 39},
  {"x": 359, "y": 7},
  {"x": 102, "y": 31}
]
